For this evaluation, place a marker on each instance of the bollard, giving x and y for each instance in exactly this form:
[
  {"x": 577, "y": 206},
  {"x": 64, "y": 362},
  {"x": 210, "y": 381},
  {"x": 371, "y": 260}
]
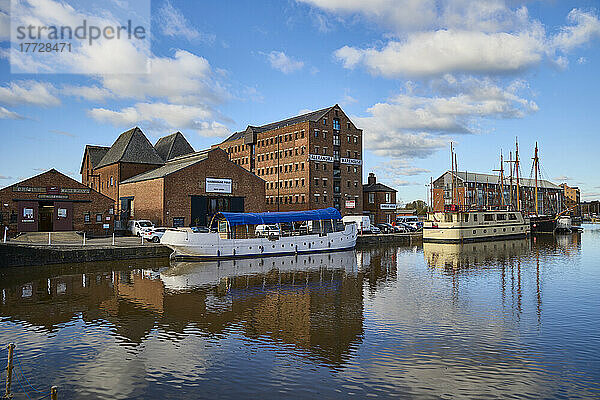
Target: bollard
[
  {"x": 49, "y": 238},
  {"x": 53, "y": 393},
  {"x": 9, "y": 369},
  {"x": 84, "y": 238},
  {"x": 5, "y": 233},
  {"x": 142, "y": 236},
  {"x": 113, "y": 242}
]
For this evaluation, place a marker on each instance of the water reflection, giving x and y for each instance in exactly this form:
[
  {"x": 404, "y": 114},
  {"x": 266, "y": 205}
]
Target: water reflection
[
  {"x": 289, "y": 299},
  {"x": 436, "y": 321}
]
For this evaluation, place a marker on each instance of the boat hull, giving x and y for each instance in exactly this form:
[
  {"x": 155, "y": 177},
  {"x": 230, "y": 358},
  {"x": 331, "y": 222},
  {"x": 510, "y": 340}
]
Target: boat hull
[
  {"x": 210, "y": 246},
  {"x": 543, "y": 224}
]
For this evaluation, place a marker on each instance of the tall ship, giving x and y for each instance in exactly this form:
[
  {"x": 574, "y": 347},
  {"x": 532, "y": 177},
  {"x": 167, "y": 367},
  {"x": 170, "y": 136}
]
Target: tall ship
[
  {"x": 460, "y": 222},
  {"x": 242, "y": 235}
]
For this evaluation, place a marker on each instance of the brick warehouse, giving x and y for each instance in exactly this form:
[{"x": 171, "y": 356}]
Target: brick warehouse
[
  {"x": 188, "y": 190},
  {"x": 309, "y": 161},
  {"x": 379, "y": 201},
  {"x": 52, "y": 201},
  {"x": 169, "y": 183}
]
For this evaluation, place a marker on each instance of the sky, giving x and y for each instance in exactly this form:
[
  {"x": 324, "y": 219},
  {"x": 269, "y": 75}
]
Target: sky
[{"x": 415, "y": 75}]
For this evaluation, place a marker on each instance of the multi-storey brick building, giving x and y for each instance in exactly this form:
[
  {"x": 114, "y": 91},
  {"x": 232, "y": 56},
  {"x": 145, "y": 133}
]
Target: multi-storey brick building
[
  {"x": 572, "y": 199},
  {"x": 379, "y": 201},
  {"x": 309, "y": 161}
]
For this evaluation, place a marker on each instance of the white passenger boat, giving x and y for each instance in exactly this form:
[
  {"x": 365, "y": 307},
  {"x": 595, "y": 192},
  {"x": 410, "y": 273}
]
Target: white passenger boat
[
  {"x": 564, "y": 223},
  {"x": 457, "y": 224},
  {"x": 240, "y": 235}
]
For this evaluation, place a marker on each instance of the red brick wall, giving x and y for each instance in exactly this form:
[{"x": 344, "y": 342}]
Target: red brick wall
[
  {"x": 162, "y": 199},
  {"x": 93, "y": 202},
  {"x": 374, "y": 209}
]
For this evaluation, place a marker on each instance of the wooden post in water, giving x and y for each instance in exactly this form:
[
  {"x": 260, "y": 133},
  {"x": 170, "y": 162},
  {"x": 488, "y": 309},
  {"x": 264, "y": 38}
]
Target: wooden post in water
[
  {"x": 9, "y": 368},
  {"x": 53, "y": 393}
]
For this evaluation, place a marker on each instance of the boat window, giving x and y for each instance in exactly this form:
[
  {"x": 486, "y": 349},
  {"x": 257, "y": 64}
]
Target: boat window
[
  {"x": 512, "y": 217},
  {"x": 501, "y": 217},
  {"x": 448, "y": 218},
  {"x": 474, "y": 217},
  {"x": 466, "y": 217},
  {"x": 488, "y": 217}
]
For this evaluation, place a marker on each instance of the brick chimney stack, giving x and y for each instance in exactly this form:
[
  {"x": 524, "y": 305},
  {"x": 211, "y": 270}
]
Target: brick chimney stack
[{"x": 372, "y": 180}]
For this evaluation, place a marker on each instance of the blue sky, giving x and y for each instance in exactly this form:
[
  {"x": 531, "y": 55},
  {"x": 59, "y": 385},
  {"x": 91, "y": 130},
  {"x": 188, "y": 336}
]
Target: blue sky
[{"x": 413, "y": 74}]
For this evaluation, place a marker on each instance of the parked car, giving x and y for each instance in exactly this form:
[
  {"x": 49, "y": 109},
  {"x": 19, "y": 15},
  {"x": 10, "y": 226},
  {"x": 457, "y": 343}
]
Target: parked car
[
  {"x": 154, "y": 234},
  {"x": 400, "y": 228},
  {"x": 267, "y": 231},
  {"x": 375, "y": 229},
  {"x": 138, "y": 226},
  {"x": 407, "y": 227},
  {"x": 200, "y": 229},
  {"x": 386, "y": 228}
]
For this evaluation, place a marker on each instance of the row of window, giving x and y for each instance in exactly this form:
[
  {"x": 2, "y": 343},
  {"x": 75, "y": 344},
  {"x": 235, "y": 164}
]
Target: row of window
[
  {"x": 286, "y": 184},
  {"x": 388, "y": 197},
  {"x": 282, "y": 153},
  {"x": 282, "y": 169},
  {"x": 294, "y": 199},
  {"x": 88, "y": 218}
]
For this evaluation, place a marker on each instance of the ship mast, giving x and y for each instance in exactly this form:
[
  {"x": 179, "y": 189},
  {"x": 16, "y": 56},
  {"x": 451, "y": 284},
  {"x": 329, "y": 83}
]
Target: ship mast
[
  {"x": 536, "y": 165},
  {"x": 517, "y": 171},
  {"x": 452, "y": 169},
  {"x": 501, "y": 170}
]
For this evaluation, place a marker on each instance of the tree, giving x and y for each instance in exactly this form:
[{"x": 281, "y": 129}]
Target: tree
[{"x": 418, "y": 205}]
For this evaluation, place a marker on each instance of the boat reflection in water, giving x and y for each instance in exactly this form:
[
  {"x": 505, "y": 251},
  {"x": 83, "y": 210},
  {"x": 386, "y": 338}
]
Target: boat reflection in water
[{"x": 454, "y": 256}]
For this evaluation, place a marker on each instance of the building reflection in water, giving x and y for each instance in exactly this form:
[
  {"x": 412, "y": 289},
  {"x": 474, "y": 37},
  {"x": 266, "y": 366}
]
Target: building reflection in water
[{"x": 314, "y": 302}]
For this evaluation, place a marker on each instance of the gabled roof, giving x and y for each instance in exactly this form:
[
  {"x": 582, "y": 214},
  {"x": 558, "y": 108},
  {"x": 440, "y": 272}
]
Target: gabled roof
[
  {"x": 495, "y": 180},
  {"x": 171, "y": 166},
  {"x": 378, "y": 187},
  {"x": 172, "y": 146},
  {"x": 131, "y": 146},
  {"x": 313, "y": 116},
  {"x": 95, "y": 154}
]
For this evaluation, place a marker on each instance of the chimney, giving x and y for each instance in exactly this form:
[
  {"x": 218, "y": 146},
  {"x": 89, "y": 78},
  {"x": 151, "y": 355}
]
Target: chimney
[{"x": 372, "y": 180}]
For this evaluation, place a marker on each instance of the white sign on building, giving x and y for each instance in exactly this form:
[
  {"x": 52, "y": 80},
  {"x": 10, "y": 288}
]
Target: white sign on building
[
  {"x": 387, "y": 206},
  {"x": 350, "y": 204},
  {"x": 319, "y": 157},
  {"x": 215, "y": 185},
  {"x": 352, "y": 161}
]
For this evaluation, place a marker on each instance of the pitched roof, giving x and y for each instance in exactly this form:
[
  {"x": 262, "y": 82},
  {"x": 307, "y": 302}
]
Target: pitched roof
[
  {"x": 495, "y": 180},
  {"x": 378, "y": 187},
  {"x": 131, "y": 146},
  {"x": 311, "y": 116},
  {"x": 171, "y": 166},
  {"x": 172, "y": 146},
  {"x": 95, "y": 154}
]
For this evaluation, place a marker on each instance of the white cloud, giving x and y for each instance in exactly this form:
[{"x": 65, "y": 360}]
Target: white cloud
[
  {"x": 410, "y": 125},
  {"x": 7, "y": 114},
  {"x": 280, "y": 61},
  {"x": 173, "y": 23},
  {"x": 28, "y": 93},
  {"x": 400, "y": 14},
  {"x": 585, "y": 28},
  {"x": 444, "y": 51},
  {"x": 163, "y": 116},
  {"x": 5, "y": 177}
]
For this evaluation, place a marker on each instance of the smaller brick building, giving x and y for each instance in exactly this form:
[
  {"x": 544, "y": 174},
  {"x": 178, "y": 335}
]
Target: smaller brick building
[
  {"x": 51, "y": 202},
  {"x": 188, "y": 190},
  {"x": 379, "y": 201}
]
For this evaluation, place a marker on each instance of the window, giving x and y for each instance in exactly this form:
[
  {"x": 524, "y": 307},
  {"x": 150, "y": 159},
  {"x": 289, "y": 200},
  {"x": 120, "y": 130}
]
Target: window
[
  {"x": 316, "y": 149},
  {"x": 316, "y": 133},
  {"x": 465, "y": 217},
  {"x": 98, "y": 217},
  {"x": 316, "y": 181},
  {"x": 324, "y": 182},
  {"x": 501, "y": 217},
  {"x": 317, "y": 166},
  {"x": 302, "y": 136},
  {"x": 324, "y": 151},
  {"x": 302, "y": 166},
  {"x": 488, "y": 217},
  {"x": 303, "y": 199},
  {"x": 347, "y": 183},
  {"x": 348, "y": 125},
  {"x": 324, "y": 121},
  {"x": 302, "y": 181},
  {"x": 371, "y": 198},
  {"x": 355, "y": 170},
  {"x": 324, "y": 134},
  {"x": 355, "y": 184},
  {"x": 388, "y": 197},
  {"x": 324, "y": 198},
  {"x": 475, "y": 217},
  {"x": 316, "y": 198},
  {"x": 355, "y": 139},
  {"x": 512, "y": 217},
  {"x": 336, "y": 124},
  {"x": 86, "y": 217},
  {"x": 356, "y": 154},
  {"x": 112, "y": 182}
]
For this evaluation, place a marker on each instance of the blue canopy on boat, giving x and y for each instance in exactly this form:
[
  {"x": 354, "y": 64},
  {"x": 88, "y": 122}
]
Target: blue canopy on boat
[{"x": 277, "y": 217}]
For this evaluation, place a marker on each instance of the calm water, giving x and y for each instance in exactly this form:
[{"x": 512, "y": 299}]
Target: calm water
[{"x": 501, "y": 319}]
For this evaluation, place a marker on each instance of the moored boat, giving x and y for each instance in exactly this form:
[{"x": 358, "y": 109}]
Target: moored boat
[
  {"x": 240, "y": 235},
  {"x": 458, "y": 224}
]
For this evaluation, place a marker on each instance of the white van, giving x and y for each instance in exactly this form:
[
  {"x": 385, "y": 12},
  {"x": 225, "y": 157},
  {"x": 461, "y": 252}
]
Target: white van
[
  {"x": 138, "y": 226},
  {"x": 363, "y": 222}
]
